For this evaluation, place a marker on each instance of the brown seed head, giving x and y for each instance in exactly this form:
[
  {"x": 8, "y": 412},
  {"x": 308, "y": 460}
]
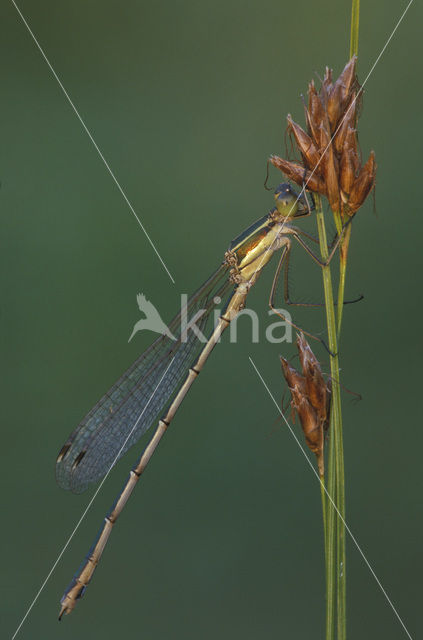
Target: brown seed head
[
  {"x": 309, "y": 399},
  {"x": 314, "y": 380},
  {"x": 348, "y": 122},
  {"x": 316, "y": 113},
  {"x": 349, "y": 162},
  {"x": 330, "y": 168},
  {"x": 327, "y": 81},
  {"x": 302, "y": 405},
  {"x": 294, "y": 379},
  {"x": 331, "y": 162},
  {"x": 305, "y": 144},
  {"x": 299, "y": 174},
  {"x": 347, "y": 80},
  {"x": 363, "y": 184}
]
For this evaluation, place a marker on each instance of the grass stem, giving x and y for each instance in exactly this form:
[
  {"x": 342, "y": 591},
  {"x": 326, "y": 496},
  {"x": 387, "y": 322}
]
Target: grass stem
[
  {"x": 335, "y": 546},
  {"x": 355, "y": 22}
]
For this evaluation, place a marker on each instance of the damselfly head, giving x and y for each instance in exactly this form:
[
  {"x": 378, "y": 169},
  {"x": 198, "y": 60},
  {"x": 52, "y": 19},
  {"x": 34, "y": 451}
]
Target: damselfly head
[{"x": 286, "y": 199}]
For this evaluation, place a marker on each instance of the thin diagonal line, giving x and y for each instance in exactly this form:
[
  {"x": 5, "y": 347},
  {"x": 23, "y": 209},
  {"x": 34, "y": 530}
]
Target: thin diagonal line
[
  {"x": 332, "y": 502},
  {"x": 106, "y": 164},
  {"x": 285, "y": 221},
  {"x": 89, "y": 505}
]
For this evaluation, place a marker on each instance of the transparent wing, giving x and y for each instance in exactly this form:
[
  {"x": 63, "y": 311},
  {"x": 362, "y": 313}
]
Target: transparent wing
[{"x": 92, "y": 448}]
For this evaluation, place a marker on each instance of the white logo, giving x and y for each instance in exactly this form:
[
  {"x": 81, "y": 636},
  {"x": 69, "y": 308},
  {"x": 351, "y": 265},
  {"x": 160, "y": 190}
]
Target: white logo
[
  {"x": 152, "y": 320},
  {"x": 276, "y": 333}
]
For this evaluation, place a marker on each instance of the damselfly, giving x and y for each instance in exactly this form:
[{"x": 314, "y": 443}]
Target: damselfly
[{"x": 164, "y": 373}]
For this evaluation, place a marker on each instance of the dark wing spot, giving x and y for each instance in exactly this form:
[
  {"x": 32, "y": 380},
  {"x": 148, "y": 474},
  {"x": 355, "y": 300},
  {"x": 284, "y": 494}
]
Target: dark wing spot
[
  {"x": 78, "y": 459},
  {"x": 63, "y": 452}
]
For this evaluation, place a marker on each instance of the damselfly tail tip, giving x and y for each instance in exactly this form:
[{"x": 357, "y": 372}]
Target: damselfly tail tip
[
  {"x": 67, "y": 607},
  {"x": 69, "y": 599}
]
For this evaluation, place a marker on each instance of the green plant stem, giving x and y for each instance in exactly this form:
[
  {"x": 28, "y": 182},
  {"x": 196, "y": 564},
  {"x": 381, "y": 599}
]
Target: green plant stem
[
  {"x": 343, "y": 259},
  {"x": 343, "y": 253},
  {"x": 355, "y": 21},
  {"x": 323, "y": 496},
  {"x": 336, "y": 500},
  {"x": 330, "y": 549},
  {"x": 328, "y": 568},
  {"x": 343, "y": 250},
  {"x": 340, "y": 529}
]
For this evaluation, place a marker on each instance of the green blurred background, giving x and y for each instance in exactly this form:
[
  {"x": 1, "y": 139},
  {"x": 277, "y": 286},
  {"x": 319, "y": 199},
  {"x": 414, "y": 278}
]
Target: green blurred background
[{"x": 186, "y": 100}]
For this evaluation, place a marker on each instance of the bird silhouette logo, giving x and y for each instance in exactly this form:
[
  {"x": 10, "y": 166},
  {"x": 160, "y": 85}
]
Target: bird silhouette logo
[{"x": 152, "y": 320}]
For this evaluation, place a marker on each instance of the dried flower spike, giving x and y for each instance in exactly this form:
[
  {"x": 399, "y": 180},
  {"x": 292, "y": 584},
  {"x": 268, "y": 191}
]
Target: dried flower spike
[
  {"x": 331, "y": 162},
  {"x": 298, "y": 174},
  {"x": 315, "y": 383},
  {"x": 306, "y": 412},
  {"x": 310, "y": 398}
]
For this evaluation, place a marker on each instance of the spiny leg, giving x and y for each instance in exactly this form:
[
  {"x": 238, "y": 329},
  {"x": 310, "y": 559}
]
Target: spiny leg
[
  {"x": 287, "y": 298},
  {"x": 310, "y": 236},
  {"x": 285, "y": 259},
  {"x": 297, "y": 233}
]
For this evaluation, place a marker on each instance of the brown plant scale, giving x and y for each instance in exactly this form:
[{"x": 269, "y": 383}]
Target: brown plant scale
[
  {"x": 310, "y": 399},
  {"x": 331, "y": 164}
]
